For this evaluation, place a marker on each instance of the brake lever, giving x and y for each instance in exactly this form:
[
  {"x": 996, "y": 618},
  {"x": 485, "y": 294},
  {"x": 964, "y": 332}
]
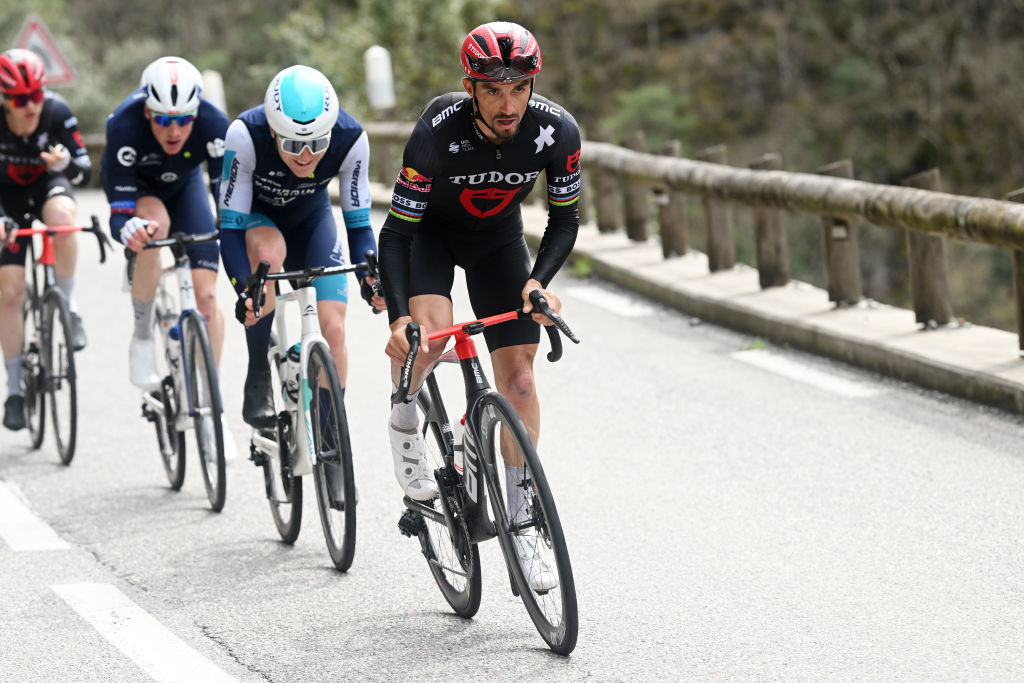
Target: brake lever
[
  {"x": 412, "y": 334},
  {"x": 255, "y": 287}
]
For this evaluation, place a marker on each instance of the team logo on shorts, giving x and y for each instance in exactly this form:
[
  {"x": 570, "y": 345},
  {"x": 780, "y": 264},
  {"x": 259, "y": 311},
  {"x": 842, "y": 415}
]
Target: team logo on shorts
[{"x": 481, "y": 203}]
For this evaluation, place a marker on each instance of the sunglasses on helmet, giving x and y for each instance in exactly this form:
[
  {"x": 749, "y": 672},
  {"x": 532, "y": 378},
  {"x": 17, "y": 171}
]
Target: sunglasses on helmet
[
  {"x": 36, "y": 96},
  {"x": 165, "y": 120},
  {"x": 495, "y": 67},
  {"x": 294, "y": 147}
]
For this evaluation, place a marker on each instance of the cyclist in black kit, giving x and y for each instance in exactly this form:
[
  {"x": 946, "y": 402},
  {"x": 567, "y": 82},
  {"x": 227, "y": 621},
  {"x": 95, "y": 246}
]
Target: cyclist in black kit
[
  {"x": 471, "y": 160},
  {"x": 41, "y": 156}
]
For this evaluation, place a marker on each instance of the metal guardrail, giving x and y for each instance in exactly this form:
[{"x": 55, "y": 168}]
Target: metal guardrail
[{"x": 617, "y": 175}]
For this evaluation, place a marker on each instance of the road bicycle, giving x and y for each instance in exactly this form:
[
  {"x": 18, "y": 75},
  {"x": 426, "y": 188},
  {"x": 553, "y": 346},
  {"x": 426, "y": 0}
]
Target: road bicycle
[
  {"x": 48, "y": 356},
  {"x": 450, "y": 525},
  {"x": 189, "y": 393},
  {"x": 311, "y": 433}
]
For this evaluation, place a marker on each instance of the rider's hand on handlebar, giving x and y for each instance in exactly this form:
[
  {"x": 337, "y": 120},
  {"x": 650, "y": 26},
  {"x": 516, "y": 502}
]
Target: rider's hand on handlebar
[
  {"x": 553, "y": 301},
  {"x": 57, "y": 158},
  {"x": 366, "y": 290},
  {"x": 243, "y": 308},
  {"x": 137, "y": 233},
  {"x": 398, "y": 345}
]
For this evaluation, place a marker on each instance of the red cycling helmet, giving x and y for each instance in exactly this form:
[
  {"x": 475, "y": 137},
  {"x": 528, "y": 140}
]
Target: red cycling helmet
[
  {"x": 21, "y": 72},
  {"x": 500, "y": 51}
]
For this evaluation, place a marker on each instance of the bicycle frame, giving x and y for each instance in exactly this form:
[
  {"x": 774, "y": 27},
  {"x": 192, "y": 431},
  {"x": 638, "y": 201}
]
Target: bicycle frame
[
  {"x": 478, "y": 522},
  {"x": 305, "y": 297},
  {"x": 188, "y": 306}
]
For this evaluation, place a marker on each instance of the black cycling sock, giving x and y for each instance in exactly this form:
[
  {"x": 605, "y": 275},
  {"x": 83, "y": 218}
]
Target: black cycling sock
[{"x": 257, "y": 339}]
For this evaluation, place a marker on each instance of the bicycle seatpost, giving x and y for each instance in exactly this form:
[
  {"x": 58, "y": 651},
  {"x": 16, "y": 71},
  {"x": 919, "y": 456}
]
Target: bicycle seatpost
[{"x": 412, "y": 333}]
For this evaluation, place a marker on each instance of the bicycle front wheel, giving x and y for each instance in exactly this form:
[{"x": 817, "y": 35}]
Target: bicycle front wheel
[
  {"x": 32, "y": 374},
  {"x": 332, "y": 467},
  {"x": 528, "y": 527},
  {"x": 169, "y": 439},
  {"x": 205, "y": 407},
  {"x": 284, "y": 490},
  {"x": 453, "y": 560},
  {"x": 59, "y": 368}
]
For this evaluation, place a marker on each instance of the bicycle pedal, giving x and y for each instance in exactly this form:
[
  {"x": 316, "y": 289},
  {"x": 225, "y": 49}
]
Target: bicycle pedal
[
  {"x": 410, "y": 524},
  {"x": 258, "y": 457}
]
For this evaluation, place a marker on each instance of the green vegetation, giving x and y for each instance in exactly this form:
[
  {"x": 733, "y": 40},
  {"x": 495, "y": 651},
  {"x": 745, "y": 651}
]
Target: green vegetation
[{"x": 896, "y": 87}]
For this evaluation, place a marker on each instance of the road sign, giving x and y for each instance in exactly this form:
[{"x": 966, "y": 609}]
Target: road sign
[{"x": 36, "y": 37}]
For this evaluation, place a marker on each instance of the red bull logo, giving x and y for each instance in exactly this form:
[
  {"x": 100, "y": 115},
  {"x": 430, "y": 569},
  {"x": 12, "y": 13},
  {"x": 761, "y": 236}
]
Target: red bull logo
[{"x": 414, "y": 180}]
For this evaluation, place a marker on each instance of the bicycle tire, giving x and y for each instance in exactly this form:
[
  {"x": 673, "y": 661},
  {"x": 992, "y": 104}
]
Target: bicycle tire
[
  {"x": 204, "y": 393},
  {"x": 32, "y": 374},
  {"x": 333, "y": 457},
  {"x": 170, "y": 440},
  {"x": 553, "y": 611},
  {"x": 284, "y": 491},
  {"x": 452, "y": 559},
  {"x": 60, "y": 377}
]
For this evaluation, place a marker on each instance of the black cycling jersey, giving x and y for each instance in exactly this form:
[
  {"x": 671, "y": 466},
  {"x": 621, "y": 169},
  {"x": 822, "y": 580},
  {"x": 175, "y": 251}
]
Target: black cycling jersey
[
  {"x": 458, "y": 181},
  {"x": 20, "y": 161}
]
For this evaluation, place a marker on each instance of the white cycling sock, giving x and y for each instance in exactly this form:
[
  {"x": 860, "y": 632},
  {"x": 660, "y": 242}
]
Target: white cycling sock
[
  {"x": 67, "y": 285},
  {"x": 13, "y": 375},
  {"x": 515, "y": 494},
  {"x": 143, "y": 318},
  {"x": 403, "y": 415}
]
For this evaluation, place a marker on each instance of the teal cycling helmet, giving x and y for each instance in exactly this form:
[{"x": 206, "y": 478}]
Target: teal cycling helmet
[{"x": 301, "y": 104}]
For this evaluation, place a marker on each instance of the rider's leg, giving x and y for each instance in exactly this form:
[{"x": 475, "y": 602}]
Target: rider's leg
[
  {"x": 205, "y": 282},
  {"x": 12, "y": 297},
  {"x": 61, "y": 210},
  {"x": 332, "y": 326},
  {"x": 432, "y": 312},
  {"x": 142, "y": 351},
  {"x": 263, "y": 243}
]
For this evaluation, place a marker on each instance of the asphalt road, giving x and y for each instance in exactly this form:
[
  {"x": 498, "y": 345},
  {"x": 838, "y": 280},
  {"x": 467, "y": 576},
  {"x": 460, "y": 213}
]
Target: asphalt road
[{"x": 732, "y": 512}]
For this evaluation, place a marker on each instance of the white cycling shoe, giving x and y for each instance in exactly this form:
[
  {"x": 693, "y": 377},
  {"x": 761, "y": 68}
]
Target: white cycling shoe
[
  {"x": 142, "y": 364},
  {"x": 539, "y": 573},
  {"x": 411, "y": 467}
]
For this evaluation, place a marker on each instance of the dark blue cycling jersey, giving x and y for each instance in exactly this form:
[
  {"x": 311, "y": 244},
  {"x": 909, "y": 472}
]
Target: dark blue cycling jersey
[{"x": 134, "y": 163}]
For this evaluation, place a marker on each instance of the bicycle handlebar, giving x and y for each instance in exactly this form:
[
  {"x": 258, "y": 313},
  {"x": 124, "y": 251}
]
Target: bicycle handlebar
[
  {"x": 51, "y": 230},
  {"x": 413, "y": 333},
  {"x": 254, "y": 283},
  {"x": 175, "y": 239}
]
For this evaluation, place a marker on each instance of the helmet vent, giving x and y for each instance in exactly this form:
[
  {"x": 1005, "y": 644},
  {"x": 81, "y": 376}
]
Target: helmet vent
[
  {"x": 483, "y": 44},
  {"x": 174, "y": 94}
]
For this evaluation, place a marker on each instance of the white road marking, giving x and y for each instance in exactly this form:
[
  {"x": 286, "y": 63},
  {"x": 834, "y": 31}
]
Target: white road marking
[
  {"x": 622, "y": 305},
  {"x": 19, "y": 526},
  {"x": 160, "y": 653},
  {"x": 781, "y": 365}
]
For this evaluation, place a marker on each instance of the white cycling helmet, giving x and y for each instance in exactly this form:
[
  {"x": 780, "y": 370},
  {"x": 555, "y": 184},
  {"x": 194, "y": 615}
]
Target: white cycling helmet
[
  {"x": 172, "y": 86},
  {"x": 301, "y": 104}
]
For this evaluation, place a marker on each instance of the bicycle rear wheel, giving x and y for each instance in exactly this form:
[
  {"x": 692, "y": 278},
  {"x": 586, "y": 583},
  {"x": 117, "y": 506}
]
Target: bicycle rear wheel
[
  {"x": 60, "y": 379},
  {"x": 531, "y": 536},
  {"x": 332, "y": 468},
  {"x": 453, "y": 560},
  {"x": 32, "y": 374},
  {"x": 284, "y": 491},
  {"x": 205, "y": 408}
]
